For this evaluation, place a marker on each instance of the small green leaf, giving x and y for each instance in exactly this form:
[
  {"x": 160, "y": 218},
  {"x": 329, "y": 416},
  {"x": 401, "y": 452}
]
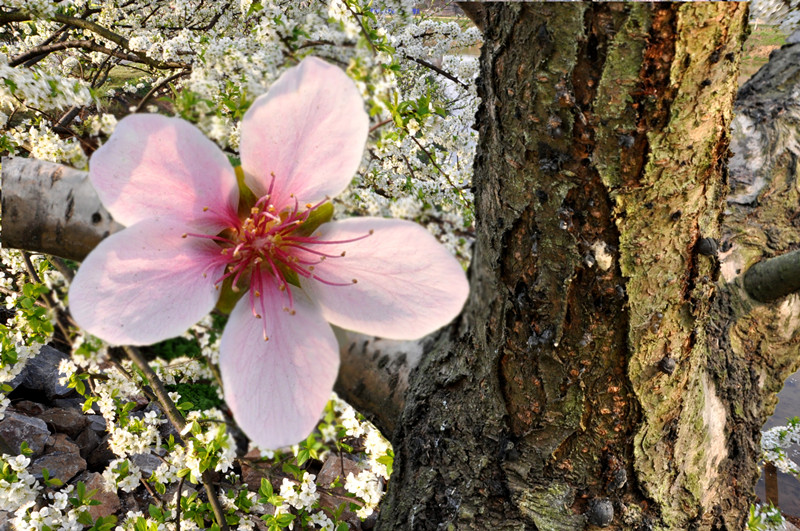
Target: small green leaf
[{"x": 318, "y": 216}]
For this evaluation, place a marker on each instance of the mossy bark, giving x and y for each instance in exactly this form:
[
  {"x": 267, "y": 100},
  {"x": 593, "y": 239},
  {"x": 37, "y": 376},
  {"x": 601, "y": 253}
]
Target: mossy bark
[{"x": 578, "y": 388}]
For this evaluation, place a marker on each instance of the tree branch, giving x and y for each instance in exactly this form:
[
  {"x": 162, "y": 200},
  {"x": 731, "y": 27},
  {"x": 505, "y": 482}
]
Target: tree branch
[
  {"x": 22, "y": 16},
  {"x": 176, "y": 419},
  {"x": 774, "y": 278},
  {"x": 63, "y": 45},
  {"x": 53, "y": 209}
]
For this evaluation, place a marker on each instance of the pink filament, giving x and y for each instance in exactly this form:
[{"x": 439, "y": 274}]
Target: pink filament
[{"x": 265, "y": 244}]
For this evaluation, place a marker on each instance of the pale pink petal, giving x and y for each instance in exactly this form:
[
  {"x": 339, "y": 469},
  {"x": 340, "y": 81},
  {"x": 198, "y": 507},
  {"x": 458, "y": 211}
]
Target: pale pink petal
[
  {"x": 278, "y": 388},
  {"x": 309, "y": 130},
  {"x": 408, "y": 284},
  {"x": 154, "y": 166},
  {"x": 145, "y": 284}
]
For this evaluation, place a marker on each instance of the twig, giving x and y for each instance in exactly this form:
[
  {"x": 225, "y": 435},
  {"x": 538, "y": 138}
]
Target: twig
[
  {"x": 433, "y": 160},
  {"x": 152, "y": 493},
  {"x": 22, "y": 16},
  {"x": 379, "y": 125},
  {"x": 363, "y": 29},
  {"x": 158, "y": 87},
  {"x": 176, "y": 419},
  {"x": 178, "y": 505},
  {"x": 436, "y": 69},
  {"x": 49, "y": 301},
  {"x": 63, "y": 45},
  {"x": 62, "y": 267},
  {"x": 7, "y": 291}
]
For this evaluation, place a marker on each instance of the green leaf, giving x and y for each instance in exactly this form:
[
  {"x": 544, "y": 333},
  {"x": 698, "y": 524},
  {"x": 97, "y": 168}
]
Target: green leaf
[
  {"x": 155, "y": 512},
  {"x": 318, "y": 216},
  {"x": 25, "y": 449},
  {"x": 85, "y": 518}
]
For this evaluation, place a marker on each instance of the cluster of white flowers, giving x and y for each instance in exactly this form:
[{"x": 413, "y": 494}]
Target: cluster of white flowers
[
  {"x": 766, "y": 518},
  {"x": 122, "y": 474},
  {"x": 303, "y": 496},
  {"x": 776, "y": 441},
  {"x": 18, "y": 488},
  {"x": 214, "y": 436},
  {"x": 9, "y": 371}
]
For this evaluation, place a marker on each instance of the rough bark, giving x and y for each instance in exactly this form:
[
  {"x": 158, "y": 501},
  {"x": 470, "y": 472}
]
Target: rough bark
[{"x": 576, "y": 389}]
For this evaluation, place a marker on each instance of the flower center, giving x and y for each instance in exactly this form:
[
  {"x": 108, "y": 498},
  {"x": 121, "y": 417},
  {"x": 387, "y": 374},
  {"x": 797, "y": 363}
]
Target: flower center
[{"x": 272, "y": 246}]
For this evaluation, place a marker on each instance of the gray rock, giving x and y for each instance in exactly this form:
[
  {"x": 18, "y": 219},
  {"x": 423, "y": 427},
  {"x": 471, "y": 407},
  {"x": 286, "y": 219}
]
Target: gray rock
[
  {"x": 61, "y": 465},
  {"x": 334, "y": 467},
  {"x": 41, "y": 374},
  {"x": 147, "y": 463},
  {"x": 88, "y": 441},
  {"x": 69, "y": 403},
  {"x": 16, "y": 429},
  {"x": 69, "y": 421},
  {"x": 28, "y": 408},
  {"x": 99, "y": 459},
  {"x": 97, "y": 423},
  {"x": 61, "y": 443},
  {"x": 109, "y": 501}
]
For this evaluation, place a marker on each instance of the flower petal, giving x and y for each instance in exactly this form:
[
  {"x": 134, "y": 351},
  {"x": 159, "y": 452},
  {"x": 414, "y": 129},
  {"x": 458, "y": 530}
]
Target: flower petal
[
  {"x": 278, "y": 388},
  {"x": 309, "y": 130},
  {"x": 145, "y": 284},
  {"x": 408, "y": 283},
  {"x": 158, "y": 166}
]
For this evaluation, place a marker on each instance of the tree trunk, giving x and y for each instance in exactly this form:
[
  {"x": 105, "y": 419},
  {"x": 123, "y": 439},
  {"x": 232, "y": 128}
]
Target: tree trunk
[{"x": 580, "y": 387}]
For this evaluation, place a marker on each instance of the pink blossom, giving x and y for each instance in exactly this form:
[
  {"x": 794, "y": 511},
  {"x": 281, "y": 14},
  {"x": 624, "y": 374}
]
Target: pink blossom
[{"x": 188, "y": 238}]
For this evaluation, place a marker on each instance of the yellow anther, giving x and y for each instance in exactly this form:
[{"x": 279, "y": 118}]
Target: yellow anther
[
  {"x": 355, "y": 281},
  {"x": 184, "y": 235},
  {"x": 308, "y": 205},
  {"x": 371, "y": 232},
  {"x": 343, "y": 253},
  {"x": 205, "y": 209},
  {"x": 282, "y": 287},
  {"x": 258, "y": 316},
  {"x": 292, "y": 312}
]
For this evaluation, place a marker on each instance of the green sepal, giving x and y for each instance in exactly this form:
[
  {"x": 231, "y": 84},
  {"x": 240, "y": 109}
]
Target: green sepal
[
  {"x": 227, "y": 297},
  {"x": 246, "y": 196},
  {"x": 318, "y": 216},
  {"x": 288, "y": 274}
]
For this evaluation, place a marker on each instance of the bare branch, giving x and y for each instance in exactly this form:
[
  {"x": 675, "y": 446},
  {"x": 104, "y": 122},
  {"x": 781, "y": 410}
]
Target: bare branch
[
  {"x": 52, "y": 209},
  {"x": 436, "y": 69},
  {"x": 63, "y": 45},
  {"x": 176, "y": 419},
  {"x": 774, "y": 278},
  {"x": 22, "y": 16}
]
